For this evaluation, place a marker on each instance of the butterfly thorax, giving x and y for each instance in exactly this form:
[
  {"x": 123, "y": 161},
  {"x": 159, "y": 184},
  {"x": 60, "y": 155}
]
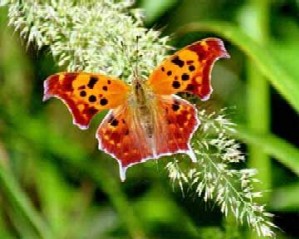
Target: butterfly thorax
[{"x": 141, "y": 102}]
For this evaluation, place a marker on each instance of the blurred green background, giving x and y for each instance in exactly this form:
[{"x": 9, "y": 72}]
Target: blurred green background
[{"x": 54, "y": 183}]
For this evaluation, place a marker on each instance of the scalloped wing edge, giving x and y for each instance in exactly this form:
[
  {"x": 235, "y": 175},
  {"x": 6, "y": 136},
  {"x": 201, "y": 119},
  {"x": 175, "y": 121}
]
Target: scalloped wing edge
[
  {"x": 47, "y": 96},
  {"x": 222, "y": 54},
  {"x": 123, "y": 170}
]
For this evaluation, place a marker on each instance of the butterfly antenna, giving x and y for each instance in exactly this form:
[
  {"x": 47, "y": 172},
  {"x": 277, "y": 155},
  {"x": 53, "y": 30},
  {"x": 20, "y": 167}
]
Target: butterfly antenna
[
  {"x": 136, "y": 68},
  {"x": 124, "y": 50}
]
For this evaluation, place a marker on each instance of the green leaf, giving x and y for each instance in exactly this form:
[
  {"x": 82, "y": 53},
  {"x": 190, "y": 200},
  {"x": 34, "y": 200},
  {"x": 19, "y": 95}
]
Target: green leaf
[
  {"x": 285, "y": 84},
  {"x": 286, "y": 198},
  {"x": 280, "y": 149},
  {"x": 19, "y": 200},
  {"x": 55, "y": 195},
  {"x": 21, "y": 225},
  {"x": 286, "y": 51},
  {"x": 155, "y": 8}
]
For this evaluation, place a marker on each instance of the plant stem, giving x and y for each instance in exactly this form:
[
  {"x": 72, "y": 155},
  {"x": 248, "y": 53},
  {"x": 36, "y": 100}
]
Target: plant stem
[
  {"x": 112, "y": 188},
  {"x": 17, "y": 198},
  {"x": 258, "y": 97},
  {"x": 255, "y": 20},
  {"x": 283, "y": 151}
]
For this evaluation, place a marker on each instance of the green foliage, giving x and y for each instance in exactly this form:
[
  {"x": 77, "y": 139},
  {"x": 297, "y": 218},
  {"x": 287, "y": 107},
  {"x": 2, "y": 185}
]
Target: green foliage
[
  {"x": 54, "y": 183},
  {"x": 283, "y": 151}
]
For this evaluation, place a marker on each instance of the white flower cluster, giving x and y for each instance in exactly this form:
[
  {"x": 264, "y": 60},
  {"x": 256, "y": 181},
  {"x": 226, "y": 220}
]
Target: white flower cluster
[
  {"x": 94, "y": 36},
  {"x": 213, "y": 178}
]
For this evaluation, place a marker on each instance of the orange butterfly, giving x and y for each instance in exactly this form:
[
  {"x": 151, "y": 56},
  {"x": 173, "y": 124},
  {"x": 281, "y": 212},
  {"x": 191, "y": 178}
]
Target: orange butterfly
[{"x": 146, "y": 120}]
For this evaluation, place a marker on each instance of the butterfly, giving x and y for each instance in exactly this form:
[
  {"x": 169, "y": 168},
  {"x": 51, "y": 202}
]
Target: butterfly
[{"x": 146, "y": 119}]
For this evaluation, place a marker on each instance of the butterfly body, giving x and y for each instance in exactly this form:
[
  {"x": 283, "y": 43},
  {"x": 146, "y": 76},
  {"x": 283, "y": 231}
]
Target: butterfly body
[
  {"x": 146, "y": 119},
  {"x": 143, "y": 102}
]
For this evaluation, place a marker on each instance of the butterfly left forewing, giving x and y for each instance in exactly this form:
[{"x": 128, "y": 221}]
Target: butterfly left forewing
[{"x": 85, "y": 94}]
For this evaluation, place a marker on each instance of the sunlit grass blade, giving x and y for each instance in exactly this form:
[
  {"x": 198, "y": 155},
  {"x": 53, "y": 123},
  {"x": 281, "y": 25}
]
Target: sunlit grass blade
[
  {"x": 156, "y": 8},
  {"x": 19, "y": 200},
  {"x": 286, "y": 198},
  {"x": 20, "y": 224},
  {"x": 56, "y": 198},
  {"x": 286, "y": 85},
  {"x": 280, "y": 149}
]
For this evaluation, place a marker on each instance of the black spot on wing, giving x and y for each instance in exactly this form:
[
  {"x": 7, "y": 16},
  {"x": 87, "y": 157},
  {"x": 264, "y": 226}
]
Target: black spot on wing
[
  {"x": 103, "y": 101},
  {"x": 175, "y": 106},
  {"x": 191, "y": 68},
  {"x": 92, "y": 81},
  {"x": 177, "y": 61},
  {"x": 176, "y": 84},
  {"x": 83, "y": 93},
  {"x": 114, "y": 122},
  {"x": 92, "y": 98},
  {"x": 185, "y": 77}
]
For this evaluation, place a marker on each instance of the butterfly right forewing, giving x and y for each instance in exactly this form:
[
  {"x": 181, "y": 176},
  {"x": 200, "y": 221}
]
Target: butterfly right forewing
[{"x": 189, "y": 70}]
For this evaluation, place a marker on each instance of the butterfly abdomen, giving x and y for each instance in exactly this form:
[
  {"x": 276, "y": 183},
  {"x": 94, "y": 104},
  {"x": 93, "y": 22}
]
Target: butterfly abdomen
[
  {"x": 142, "y": 106},
  {"x": 146, "y": 120}
]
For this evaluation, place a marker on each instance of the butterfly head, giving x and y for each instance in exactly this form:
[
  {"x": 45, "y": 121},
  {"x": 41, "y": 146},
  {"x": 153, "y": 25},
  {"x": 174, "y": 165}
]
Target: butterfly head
[{"x": 139, "y": 89}]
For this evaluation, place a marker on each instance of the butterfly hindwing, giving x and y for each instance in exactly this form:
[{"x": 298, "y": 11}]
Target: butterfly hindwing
[
  {"x": 122, "y": 136},
  {"x": 175, "y": 124},
  {"x": 189, "y": 70},
  {"x": 85, "y": 94}
]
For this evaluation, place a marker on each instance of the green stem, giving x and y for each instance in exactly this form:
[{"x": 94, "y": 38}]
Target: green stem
[
  {"x": 286, "y": 153},
  {"x": 254, "y": 20},
  {"x": 15, "y": 195},
  {"x": 258, "y": 108},
  {"x": 112, "y": 188}
]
